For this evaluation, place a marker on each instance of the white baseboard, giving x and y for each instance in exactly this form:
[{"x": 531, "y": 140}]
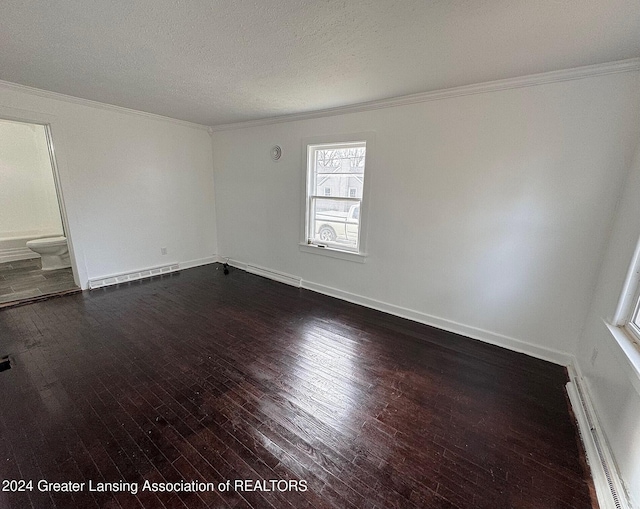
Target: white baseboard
[
  {"x": 539, "y": 352},
  {"x": 199, "y": 262},
  {"x": 547, "y": 354},
  {"x": 275, "y": 275},
  {"x": 17, "y": 253},
  {"x": 606, "y": 479},
  {"x": 282, "y": 277},
  {"x": 608, "y": 484},
  {"x": 234, "y": 263}
]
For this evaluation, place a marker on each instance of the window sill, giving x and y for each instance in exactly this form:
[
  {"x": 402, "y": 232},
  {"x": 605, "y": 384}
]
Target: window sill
[
  {"x": 630, "y": 354},
  {"x": 333, "y": 253}
]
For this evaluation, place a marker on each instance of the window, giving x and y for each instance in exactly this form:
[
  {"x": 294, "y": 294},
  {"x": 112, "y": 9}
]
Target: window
[
  {"x": 631, "y": 322},
  {"x": 625, "y": 325},
  {"x": 634, "y": 323},
  {"x": 627, "y": 314},
  {"x": 335, "y": 170}
]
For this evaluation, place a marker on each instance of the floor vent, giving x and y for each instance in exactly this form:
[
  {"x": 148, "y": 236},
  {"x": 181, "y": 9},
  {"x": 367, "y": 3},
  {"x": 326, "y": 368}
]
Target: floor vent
[
  {"x": 5, "y": 364},
  {"x": 132, "y": 276}
]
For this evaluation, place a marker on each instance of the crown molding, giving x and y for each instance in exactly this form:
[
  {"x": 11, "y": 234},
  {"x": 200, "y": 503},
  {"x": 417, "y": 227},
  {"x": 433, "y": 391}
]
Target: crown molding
[
  {"x": 96, "y": 104},
  {"x": 620, "y": 66}
]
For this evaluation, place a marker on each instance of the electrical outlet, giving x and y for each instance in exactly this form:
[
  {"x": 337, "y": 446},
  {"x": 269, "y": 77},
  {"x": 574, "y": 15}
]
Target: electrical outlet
[{"x": 163, "y": 250}]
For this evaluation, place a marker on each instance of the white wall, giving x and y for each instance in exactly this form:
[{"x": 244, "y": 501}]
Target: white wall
[
  {"x": 615, "y": 393},
  {"x": 131, "y": 183},
  {"x": 489, "y": 213},
  {"x": 28, "y": 202}
]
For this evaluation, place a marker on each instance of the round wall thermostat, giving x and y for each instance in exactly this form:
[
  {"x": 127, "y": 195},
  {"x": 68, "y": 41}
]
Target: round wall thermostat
[{"x": 276, "y": 153}]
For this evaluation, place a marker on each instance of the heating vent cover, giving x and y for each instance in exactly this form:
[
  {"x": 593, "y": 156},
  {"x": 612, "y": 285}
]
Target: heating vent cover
[{"x": 132, "y": 276}]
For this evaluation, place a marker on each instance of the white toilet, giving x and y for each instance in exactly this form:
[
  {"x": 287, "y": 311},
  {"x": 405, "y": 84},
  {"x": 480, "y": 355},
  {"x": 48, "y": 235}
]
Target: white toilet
[{"x": 53, "y": 251}]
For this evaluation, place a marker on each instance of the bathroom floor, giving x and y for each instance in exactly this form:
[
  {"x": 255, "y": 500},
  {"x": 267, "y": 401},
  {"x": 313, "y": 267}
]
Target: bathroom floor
[{"x": 24, "y": 279}]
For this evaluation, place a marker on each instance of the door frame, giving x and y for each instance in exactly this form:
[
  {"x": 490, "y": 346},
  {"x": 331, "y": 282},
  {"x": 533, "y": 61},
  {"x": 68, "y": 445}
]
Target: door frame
[{"x": 53, "y": 131}]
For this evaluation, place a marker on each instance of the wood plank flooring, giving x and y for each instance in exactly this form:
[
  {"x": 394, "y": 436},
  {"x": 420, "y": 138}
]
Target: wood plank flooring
[{"x": 206, "y": 377}]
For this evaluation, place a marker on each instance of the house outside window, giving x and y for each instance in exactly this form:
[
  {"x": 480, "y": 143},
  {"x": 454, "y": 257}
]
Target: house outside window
[{"x": 338, "y": 169}]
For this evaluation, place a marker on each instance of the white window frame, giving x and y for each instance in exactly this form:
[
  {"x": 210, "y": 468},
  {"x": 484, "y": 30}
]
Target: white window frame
[
  {"x": 335, "y": 250},
  {"x": 630, "y": 324},
  {"x": 621, "y": 325},
  {"x": 629, "y": 301}
]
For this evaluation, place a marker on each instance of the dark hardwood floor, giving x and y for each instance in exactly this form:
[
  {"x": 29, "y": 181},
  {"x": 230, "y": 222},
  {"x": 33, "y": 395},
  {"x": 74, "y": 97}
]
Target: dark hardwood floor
[{"x": 201, "y": 376}]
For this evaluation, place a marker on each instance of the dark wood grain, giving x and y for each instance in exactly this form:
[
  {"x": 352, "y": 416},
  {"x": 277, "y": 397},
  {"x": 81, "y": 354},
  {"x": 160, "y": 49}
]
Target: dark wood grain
[{"x": 201, "y": 376}]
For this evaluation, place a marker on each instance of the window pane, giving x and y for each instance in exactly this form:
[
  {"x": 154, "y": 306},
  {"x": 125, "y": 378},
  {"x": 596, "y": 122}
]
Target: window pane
[
  {"x": 636, "y": 319},
  {"x": 340, "y": 160},
  {"x": 345, "y": 186},
  {"x": 335, "y": 221}
]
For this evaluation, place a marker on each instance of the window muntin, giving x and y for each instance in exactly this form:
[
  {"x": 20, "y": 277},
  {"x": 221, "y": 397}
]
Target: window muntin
[{"x": 338, "y": 167}]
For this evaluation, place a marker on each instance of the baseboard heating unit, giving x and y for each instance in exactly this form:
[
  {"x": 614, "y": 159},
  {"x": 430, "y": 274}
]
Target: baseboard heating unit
[
  {"x": 132, "y": 276},
  {"x": 606, "y": 480}
]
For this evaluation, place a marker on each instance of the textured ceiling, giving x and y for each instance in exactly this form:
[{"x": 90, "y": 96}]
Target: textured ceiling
[{"x": 216, "y": 62}]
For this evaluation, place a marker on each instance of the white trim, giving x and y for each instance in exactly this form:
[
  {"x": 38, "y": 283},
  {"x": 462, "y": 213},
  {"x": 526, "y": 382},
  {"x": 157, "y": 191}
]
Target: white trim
[
  {"x": 96, "y": 104},
  {"x": 275, "y": 275},
  {"x": 606, "y": 478},
  {"x": 77, "y": 278},
  {"x": 282, "y": 277},
  {"x": 516, "y": 345},
  {"x": 333, "y": 253},
  {"x": 627, "y": 300},
  {"x": 199, "y": 262},
  {"x": 620, "y": 66},
  {"x": 233, "y": 263},
  {"x": 17, "y": 253},
  {"x": 627, "y": 351}
]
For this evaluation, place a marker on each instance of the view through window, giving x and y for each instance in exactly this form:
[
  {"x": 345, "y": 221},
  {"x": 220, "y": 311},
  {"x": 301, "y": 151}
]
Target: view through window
[{"x": 337, "y": 171}]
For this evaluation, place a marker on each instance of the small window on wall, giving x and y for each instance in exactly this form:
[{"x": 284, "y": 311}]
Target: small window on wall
[{"x": 335, "y": 170}]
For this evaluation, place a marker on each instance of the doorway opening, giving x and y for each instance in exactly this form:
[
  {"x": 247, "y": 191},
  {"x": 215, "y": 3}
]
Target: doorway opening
[{"x": 34, "y": 239}]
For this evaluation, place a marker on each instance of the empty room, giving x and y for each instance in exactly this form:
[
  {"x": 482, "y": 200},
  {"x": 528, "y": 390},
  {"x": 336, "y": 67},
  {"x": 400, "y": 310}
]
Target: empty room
[{"x": 320, "y": 254}]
